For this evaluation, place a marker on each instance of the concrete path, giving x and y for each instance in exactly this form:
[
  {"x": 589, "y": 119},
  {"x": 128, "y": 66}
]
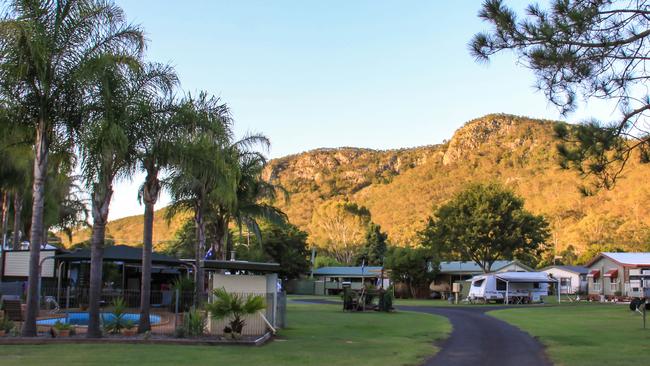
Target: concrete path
[{"x": 478, "y": 339}]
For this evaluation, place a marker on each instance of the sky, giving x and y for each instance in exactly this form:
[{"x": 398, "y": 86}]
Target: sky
[{"x": 311, "y": 74}]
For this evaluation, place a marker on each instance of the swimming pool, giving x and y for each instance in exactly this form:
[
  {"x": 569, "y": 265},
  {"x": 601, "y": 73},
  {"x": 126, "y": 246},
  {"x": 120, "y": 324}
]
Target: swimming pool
[{"x": 82, "y": 319}]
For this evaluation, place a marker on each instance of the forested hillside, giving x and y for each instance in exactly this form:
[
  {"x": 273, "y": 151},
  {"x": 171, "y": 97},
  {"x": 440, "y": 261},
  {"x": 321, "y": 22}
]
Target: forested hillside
[{"x": 401, "y": 187}]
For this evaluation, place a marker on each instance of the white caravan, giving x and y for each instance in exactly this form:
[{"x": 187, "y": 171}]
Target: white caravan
[{"x": 510, "y": 287}]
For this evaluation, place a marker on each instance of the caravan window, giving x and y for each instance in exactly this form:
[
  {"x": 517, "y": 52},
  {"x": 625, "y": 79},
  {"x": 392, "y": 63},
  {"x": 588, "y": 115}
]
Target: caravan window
[
  {"x": 478, "y": 283},
  {"x": 535, "y": 284},
  {"x": 501, "y": 285}
]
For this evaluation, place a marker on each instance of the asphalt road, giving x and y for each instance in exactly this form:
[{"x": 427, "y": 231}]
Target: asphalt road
[{"x": 479, "y": 339}]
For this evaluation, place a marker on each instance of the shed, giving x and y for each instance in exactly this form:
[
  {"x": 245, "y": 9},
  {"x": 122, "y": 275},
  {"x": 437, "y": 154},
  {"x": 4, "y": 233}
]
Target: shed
[{"x": 330, "y": 280}]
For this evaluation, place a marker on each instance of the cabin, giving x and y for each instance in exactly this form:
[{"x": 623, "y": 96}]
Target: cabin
[
  {"x": 615, "y": 275},
  {"x": 573, "y": 279},
  {"x": 331, "y": 280}
]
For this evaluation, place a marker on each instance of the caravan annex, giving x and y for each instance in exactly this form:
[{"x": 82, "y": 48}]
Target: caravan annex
[{"x": 510, "y": 287}]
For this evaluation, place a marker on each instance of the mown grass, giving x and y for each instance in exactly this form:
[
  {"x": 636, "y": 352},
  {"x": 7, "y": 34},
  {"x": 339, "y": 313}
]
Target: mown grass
[
  {"x": 317, "y": 335},
  {"x": 585, "y": 334}
]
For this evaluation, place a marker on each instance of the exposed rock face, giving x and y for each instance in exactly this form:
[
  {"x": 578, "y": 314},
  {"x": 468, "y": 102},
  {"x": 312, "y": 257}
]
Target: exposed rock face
[
  {"x": 476, "y": 133},
  {"x": 355, "y": 167}
]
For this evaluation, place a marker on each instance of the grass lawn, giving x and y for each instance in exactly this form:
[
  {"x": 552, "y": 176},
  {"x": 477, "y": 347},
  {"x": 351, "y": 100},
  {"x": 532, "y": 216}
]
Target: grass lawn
[
  {"x": 317, "y": 335},
  {"x": 585, "y": 334}
]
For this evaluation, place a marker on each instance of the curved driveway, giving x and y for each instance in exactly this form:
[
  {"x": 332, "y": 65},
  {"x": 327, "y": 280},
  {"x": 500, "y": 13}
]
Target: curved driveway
[{"x": 479, "y": 339}]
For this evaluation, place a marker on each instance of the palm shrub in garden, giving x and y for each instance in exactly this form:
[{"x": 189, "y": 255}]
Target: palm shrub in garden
[{"x": 235, "y": 307}]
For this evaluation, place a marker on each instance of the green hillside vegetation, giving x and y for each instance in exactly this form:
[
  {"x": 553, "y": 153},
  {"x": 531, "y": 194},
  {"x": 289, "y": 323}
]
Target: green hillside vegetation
[{"x": 402, "y": 187}]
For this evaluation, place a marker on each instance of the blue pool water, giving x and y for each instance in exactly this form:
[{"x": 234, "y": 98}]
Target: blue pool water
[{"x": 82, "y": 319}]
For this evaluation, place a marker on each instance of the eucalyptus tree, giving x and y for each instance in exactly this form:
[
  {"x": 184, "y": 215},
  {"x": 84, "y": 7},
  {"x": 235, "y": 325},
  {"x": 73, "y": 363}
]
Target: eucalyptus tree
[
  {"x": 201, "y": 173},
  {"x": 108, "y": 146},
  {"x": 161, "y": 139},
  {"x": 45, "y": 46}
]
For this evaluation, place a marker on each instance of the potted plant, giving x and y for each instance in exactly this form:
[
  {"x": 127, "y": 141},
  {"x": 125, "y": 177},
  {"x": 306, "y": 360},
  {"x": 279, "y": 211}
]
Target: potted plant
[
  {"x": 6, "y": 326},
  {"x": 62, "y": 329},
  {"x": 234, "y": 307},
  {"x": 129, "y": 329}
]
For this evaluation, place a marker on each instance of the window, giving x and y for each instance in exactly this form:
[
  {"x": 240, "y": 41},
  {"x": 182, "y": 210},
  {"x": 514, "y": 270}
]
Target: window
[
  {"x": 565, "y": 282},
  {"x": 596, "y": 285},
  {"x": 478, "y": 283},
  {"x": 613, "y": 286},
  {"x": 501, "y": 285},
  {"x": 535, "y": 284}
]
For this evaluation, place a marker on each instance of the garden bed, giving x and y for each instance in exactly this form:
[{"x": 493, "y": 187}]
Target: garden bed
[{"x": 139, "y": 339}]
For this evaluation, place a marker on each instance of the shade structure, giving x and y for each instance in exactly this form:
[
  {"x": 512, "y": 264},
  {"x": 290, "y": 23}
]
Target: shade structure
[
  {"x": 594, "y": 274},
  {"x": 119, "y": 253},
  {"x": 525, "y": 277},
  {"x": 611, "y": 273}
]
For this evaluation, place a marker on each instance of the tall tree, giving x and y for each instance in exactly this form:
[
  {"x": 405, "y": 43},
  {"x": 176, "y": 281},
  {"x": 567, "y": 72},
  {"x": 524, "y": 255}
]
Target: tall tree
[
  {"x": 253, "y": 197},
  {"x": 45, "y": 46},
  {"x": 485, "y": 223},
  {"x": 339, "y": 228},
  {"x": 108, "y": 147},
  {"x": 200, "y": 173},
  {"x": 597, "y": 49},
  {"x": 162, "y": 134},
  {"x": 375, "y": 246},
  {"x": 415, "y": 267}
]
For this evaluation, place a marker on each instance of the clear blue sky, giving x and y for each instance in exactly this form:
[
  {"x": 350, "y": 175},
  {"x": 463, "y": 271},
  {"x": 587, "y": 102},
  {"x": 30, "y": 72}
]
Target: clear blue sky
[{"x": 309, "y": 74}]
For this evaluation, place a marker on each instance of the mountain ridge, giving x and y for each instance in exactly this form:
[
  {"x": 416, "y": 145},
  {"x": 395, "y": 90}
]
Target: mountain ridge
[{"x": 401, "y": 187}]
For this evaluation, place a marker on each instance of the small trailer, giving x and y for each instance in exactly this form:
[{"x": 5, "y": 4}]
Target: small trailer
[{"x": 510, "y": 287}]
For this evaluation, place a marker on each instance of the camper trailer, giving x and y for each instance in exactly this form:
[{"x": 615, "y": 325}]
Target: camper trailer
[{"x": 510, "y": 287}]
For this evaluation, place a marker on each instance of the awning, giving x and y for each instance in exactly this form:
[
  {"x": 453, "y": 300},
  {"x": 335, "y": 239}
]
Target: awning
[
  {"x": 612, "y": 273},
  {"x": 594, "y": 274},
  {"x": 239, "y": 265},
  {"x": 525, "y": 277}
]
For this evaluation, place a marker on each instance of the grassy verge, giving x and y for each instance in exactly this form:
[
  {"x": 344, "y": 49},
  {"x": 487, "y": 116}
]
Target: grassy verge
[
  {"x": 585, "y": 334},
  {"x": 317, "y": 335}
]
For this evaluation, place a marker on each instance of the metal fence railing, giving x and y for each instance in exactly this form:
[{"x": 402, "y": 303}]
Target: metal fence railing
[{"x": 168, "y": 314}]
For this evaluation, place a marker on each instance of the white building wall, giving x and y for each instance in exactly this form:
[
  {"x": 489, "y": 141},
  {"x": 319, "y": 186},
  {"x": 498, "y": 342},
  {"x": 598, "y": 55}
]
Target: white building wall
[
  {"x": 17, "y": 263},
  {"x": 559, "y": 273}
]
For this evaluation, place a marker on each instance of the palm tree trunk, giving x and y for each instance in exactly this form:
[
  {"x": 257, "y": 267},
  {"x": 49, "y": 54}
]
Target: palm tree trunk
[
  {"x": 100, "y": 203},
  {"x": 198, "y": 256},
  {"x": 18, "y": 210},
  {"x": 6, "y": 198},
  {"x": 36, "y": 236},
  {"x": 149, "y": 196}
]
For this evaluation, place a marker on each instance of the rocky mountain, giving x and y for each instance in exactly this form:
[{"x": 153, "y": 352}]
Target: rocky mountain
[{"x": 402, "y": 187}]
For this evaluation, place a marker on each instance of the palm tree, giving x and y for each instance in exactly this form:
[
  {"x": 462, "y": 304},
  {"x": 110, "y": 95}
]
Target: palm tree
[
  {"x": 163, "y": 134},
  {"x": 45, "y": 46},
  {"x": 254, "y": 196},
  {"x": 108, "y": 147},
  {"x": 200, "y": 173}
]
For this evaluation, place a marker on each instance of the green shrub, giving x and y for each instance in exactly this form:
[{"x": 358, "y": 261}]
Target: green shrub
[
  {"x": 118, "y": 321},
  {"x": 62, "y": 326},
  {"x": 6, "y": 325},
  {"x": 194, "y": 322},
  {"x": 235, "y": 307}
]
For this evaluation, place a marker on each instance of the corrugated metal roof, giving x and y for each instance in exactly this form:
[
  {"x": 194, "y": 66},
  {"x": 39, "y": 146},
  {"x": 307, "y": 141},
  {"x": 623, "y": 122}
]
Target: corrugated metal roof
[
  {"x": 469, "y": 266},
  {"x": 347, "y": 271},
  {"x": 574, "y": 269},
  {"x": 641, "y": 258}
]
